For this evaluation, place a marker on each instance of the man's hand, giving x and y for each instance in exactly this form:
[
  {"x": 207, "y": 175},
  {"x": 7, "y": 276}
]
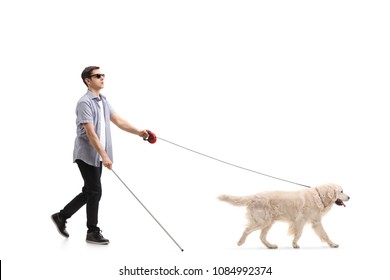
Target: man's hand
[
  {"x": 107, "y": 162},
  {"x": 144, "y": 134}
]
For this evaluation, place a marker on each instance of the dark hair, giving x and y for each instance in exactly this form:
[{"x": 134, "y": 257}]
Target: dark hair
[{"x": 87, "y": 73}]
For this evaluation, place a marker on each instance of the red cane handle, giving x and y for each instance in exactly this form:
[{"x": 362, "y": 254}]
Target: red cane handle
[{"x": 152, "y": 138}]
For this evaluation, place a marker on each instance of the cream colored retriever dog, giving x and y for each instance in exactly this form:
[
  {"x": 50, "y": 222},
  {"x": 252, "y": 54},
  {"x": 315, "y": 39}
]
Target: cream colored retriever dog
[{"x": 295, "y": 207}]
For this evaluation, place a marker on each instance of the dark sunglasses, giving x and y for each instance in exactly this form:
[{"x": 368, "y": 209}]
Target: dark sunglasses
[{"x": 98, "y": 76}]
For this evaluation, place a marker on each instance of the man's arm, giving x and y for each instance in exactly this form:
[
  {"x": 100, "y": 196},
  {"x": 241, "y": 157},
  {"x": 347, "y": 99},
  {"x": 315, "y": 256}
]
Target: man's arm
[
  {"x": 126, "y": 126},
  {"x": 94, "y": 139}
]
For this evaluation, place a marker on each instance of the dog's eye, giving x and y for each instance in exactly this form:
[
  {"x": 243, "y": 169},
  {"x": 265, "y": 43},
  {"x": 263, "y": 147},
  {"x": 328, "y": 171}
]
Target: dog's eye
[{"x": 341, "y": 191}]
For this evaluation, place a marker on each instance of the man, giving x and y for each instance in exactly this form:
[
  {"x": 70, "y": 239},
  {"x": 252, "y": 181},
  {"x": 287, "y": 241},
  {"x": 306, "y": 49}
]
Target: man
[{"x": 92, "y": 150}]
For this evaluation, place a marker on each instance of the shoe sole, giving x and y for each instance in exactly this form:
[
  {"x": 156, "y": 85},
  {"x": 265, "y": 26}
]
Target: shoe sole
[
  {"x": 97, "y": 243},
  {"x": 58, "y": 228}
]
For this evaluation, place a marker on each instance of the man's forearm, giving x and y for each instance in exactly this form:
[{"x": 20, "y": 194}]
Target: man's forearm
[
  {"x": 95, "y": 142},
  {"x": 126, "y": 126}
]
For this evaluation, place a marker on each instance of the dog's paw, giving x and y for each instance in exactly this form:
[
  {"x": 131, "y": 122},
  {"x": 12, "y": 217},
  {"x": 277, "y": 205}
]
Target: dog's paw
[
  {"x": 333, "y": 245},
  {"x": 272, "y": 246},
  {"x": 295, "y": 246},
  {"x": 240, "y": 242}
]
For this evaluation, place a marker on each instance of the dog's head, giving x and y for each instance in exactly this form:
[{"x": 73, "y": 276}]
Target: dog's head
[
  {"x": 332, "y": 193},
  {"x": 340, "y": 196}
]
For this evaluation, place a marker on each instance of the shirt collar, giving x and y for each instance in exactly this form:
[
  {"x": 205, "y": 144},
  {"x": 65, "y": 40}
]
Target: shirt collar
[{"x": 92, "y": 96}]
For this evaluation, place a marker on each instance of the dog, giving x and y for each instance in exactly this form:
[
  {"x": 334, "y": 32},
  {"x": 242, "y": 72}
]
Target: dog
[{"x": 294, "y": 207}]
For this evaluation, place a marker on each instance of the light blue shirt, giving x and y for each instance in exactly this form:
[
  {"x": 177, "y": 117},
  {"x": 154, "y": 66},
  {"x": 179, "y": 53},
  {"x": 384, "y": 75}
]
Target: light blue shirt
[{"x": 88, "y": 111}]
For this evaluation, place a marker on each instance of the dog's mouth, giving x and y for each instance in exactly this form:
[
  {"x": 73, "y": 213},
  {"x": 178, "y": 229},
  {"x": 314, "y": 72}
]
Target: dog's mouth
[{"x": 339, "y": 202}]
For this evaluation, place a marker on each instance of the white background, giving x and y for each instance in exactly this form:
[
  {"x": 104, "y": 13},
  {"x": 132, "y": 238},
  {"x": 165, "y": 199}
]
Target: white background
[{"x": 294, "y": 89}]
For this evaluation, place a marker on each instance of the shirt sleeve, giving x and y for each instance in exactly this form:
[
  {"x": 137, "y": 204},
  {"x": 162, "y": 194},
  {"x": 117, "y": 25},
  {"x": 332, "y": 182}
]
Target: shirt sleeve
[
  {"x": 110, "y": 109},
  {"x": 84, "y": 113}
]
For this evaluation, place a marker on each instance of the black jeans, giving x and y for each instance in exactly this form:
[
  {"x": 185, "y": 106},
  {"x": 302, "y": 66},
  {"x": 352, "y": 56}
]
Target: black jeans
[{"x": 90, "y": 195}]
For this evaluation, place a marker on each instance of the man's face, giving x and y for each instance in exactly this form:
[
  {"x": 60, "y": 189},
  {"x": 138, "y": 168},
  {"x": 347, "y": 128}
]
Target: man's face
[{"x": 96, "y": 81}]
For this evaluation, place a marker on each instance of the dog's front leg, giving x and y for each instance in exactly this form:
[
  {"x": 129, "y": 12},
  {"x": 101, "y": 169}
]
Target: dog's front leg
[{"x": 319, "y": 230}]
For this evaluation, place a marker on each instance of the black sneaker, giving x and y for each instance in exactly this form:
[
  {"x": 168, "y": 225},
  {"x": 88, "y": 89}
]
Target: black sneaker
[
  {"x": 60, "y": 224},
  {"x": 96, "y": 237}
]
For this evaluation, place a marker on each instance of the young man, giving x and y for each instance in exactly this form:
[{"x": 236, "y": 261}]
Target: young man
[{"x": 92, "y": 150}]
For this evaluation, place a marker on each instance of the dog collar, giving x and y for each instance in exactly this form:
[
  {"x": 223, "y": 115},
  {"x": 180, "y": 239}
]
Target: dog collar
[{"x": 320, "y": 197}]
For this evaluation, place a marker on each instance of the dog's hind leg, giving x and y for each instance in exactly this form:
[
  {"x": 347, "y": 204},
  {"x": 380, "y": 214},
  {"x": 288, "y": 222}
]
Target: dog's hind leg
[
  {"x": 296, "y": 229},
  {"x": 319, "y": 230},
  {"x": 248, "y": 230},
  {"x": 263, "y": 237}
]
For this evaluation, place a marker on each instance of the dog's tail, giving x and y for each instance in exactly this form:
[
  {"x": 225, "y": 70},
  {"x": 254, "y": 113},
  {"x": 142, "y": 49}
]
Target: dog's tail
[{"x": 236, "y": 200}]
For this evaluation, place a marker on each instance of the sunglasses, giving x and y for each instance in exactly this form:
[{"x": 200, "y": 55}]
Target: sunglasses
[{"x": 98, "y": 76}]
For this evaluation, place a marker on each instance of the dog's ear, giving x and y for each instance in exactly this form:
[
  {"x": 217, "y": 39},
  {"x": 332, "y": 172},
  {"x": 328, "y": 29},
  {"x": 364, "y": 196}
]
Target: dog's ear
[
  {"x": 328, "y": 195},
  {"x": 332, "y": 193}
]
